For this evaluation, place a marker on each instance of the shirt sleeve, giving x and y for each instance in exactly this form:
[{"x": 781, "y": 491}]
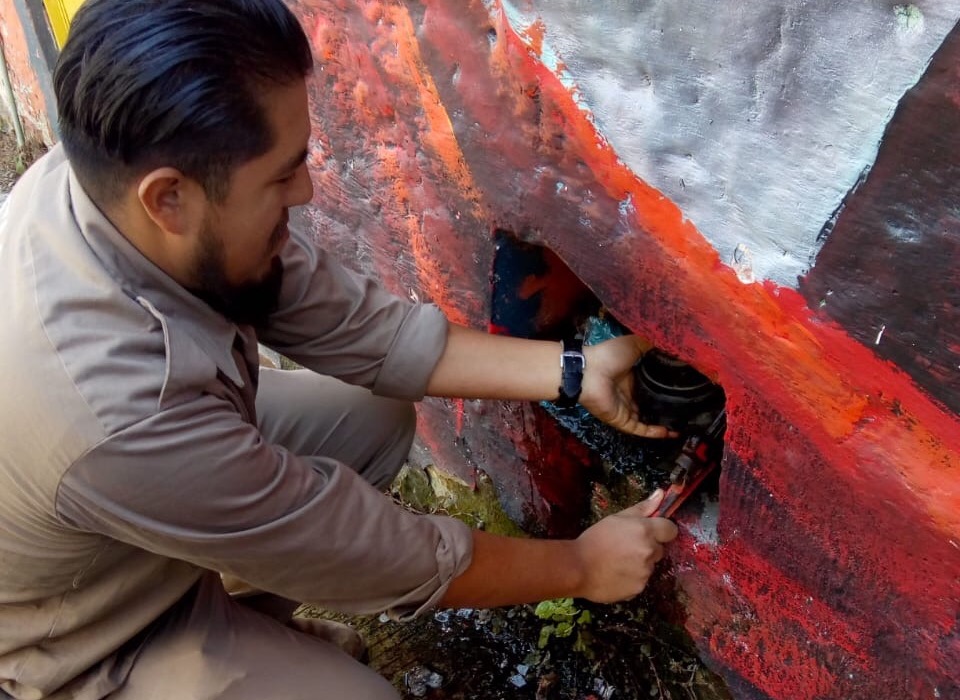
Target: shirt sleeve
[
  {"x": 342, "y": 324},
  {"x": 197, "y": 483}
]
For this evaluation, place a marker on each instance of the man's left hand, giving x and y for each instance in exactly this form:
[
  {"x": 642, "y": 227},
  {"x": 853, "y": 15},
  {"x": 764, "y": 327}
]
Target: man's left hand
[{"x": 608, "y": 386}]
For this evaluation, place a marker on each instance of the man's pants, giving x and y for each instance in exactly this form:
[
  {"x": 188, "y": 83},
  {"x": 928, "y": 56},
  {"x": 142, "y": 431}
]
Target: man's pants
[{"x": 213, "y": 646}]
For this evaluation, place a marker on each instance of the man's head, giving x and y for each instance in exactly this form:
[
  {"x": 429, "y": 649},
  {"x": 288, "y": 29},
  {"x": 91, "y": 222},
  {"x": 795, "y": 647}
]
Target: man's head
[{"x": 186, "y": 121}]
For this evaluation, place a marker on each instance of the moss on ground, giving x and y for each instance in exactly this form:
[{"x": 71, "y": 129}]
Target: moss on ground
[{"x": 429, "y": 490}]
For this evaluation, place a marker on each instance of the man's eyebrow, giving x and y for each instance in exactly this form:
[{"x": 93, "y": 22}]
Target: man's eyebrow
[{"x": 294, "y": 163}]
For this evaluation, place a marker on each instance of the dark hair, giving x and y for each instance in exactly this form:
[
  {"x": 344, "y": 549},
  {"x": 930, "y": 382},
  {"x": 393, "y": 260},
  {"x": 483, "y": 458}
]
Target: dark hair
[{"x": 142, "y": 84}]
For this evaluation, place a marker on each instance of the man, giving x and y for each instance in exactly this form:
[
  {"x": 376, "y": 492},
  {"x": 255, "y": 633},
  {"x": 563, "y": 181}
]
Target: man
[{"x": 144, "y": 452}]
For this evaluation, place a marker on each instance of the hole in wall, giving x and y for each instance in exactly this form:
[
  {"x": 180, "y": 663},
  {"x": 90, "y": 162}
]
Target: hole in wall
[{"x": 536, "y": 295}]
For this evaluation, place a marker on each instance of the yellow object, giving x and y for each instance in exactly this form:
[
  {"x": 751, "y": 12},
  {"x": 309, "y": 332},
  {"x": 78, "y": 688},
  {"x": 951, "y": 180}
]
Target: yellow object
[{"x": 60, "y": 12}]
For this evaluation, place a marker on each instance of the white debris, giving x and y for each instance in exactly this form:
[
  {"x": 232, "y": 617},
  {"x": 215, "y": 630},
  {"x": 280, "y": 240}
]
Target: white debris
[
  {"x": 880, "y": 334},
  {"x": 419, "y": 679}
]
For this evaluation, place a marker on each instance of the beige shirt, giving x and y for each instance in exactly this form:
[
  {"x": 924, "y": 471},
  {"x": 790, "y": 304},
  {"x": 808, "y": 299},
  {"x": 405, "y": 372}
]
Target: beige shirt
[{"x": 130, "y": 457}]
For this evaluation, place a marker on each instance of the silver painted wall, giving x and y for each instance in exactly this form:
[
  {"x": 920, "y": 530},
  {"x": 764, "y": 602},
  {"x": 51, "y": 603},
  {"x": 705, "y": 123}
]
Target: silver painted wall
[{"x": 755, "y": 116}]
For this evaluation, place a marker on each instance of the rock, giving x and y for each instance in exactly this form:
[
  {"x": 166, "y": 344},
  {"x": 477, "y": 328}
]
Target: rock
[
  {"x": 518, "y": 680},
  {"x": 420, "y": 678}
]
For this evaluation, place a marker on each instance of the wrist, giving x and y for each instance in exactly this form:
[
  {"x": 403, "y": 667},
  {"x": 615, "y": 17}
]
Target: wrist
[
  {"x": 587, "y": 389},
  {"x": 578, "y": 569}
]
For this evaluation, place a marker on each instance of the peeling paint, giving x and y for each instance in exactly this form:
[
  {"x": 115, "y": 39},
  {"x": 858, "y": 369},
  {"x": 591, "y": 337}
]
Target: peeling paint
[
  {"x": 879, "y": 335},
  {"x": 705, "y": 529},
  {"x": 910, "y": 21},
  {"x": 742, "y": 264}
]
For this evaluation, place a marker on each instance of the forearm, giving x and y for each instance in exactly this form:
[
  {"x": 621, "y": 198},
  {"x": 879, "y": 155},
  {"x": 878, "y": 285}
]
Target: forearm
[
  {"x": 478, "y": 365},
  {"x": 511, "y": 571}
]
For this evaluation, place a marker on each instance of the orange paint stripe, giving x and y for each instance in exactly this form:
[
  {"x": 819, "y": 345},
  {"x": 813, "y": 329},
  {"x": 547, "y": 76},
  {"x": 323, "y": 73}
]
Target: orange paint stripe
[
  {"x": 432, "y": 277},
  {"x": 424, "y": 232},
  {"x": 377, "y": 69},
  {"x": 439, "y": 135}
]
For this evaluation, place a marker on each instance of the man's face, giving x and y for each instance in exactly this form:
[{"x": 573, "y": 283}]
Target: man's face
[{"x": 236, "y": 266}]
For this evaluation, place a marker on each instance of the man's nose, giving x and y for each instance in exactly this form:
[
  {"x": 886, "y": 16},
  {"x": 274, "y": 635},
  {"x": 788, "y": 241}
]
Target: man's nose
[{"x": 301, "y": 188}]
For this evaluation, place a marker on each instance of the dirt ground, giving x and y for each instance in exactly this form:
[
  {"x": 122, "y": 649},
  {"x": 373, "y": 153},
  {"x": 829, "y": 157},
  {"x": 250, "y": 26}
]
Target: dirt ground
[
  {"x": 9, "y": 154},
  {"x": 13, "y": 160},
  {"x": 617, "y": 652}
]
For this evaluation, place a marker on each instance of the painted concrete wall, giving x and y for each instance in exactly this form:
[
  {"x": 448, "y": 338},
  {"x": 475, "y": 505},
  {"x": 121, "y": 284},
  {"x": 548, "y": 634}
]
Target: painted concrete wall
[{"x": 643, "y": 143}]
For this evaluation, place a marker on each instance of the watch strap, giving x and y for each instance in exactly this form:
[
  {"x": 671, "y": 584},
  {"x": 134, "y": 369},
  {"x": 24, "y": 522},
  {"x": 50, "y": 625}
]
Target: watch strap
[{"x": 572, "y": 364}]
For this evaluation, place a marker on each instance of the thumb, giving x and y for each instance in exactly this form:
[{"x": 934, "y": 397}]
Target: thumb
[{"x": 649, "y": 506}]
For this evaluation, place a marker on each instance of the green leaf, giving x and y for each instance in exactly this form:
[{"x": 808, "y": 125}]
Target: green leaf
[
  {"x": 556, "y": 609},
  {"x": 545, "y": 609},
  {"x": 582, "y": 645}
]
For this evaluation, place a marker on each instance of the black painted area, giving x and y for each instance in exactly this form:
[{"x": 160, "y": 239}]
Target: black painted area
[
  {"x": 534, "y": 293},
  {"x": 890, "y": 268}
]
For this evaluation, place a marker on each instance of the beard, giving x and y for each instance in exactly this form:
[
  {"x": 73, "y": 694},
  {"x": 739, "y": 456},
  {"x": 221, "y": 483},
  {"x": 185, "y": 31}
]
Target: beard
[{"x": 249, "y": 303}]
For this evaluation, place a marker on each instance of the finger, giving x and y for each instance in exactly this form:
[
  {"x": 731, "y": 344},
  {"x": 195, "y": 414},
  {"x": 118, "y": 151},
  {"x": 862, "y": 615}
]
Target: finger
[
  {"x": 659, "y": 431},
  {"x": 648, "y": 506},
  {"x": 658, "y": 553},
  {"x": 663, "y": 530},
  {"x": 635, "y": 427}
]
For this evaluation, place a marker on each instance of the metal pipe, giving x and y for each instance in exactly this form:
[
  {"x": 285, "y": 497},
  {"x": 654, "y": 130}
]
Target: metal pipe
[{"x": 11, "y": 99}]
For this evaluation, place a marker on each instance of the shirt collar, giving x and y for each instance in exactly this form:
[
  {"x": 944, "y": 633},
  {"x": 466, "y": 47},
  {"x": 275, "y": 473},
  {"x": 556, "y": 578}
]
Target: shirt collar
[{"x": 141, "y": 278}]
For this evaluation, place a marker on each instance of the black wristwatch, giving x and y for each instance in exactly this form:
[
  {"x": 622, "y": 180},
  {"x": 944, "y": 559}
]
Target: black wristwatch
[{"x": 572, "y": 364}]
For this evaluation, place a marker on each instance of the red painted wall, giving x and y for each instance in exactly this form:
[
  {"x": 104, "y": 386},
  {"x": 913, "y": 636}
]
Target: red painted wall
[{"x": 834, "y": 571}]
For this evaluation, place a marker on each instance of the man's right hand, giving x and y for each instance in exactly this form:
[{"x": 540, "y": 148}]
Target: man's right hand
[
  {"x": 611, "y": 561},
  {"x": 618, "y": 554}
]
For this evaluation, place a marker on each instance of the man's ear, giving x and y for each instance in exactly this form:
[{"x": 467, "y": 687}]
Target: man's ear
[{"x": 173, "y": 201}]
